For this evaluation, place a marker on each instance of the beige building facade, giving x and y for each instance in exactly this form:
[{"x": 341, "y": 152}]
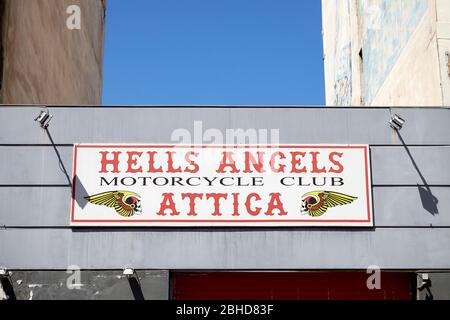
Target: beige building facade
[
  {"x": 44, "y": 60},
  {"x": 387, "y": 52}
]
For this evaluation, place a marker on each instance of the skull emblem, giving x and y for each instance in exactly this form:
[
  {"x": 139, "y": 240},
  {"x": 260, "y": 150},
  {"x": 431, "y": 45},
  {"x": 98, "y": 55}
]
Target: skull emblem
[
  {"x": 308, "y": 202},
  {"x": 135, "y": 203}
]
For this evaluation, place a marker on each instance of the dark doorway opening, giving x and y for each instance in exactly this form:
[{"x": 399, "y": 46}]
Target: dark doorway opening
[{"x": 289, "y": 286}]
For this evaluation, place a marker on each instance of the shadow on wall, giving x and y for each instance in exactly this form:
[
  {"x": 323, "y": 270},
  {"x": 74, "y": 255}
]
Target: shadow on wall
[
  {"x": 61, "y": 163},
  {"x": 92, "y": 285},
  {"x": 429, "y": 201},
  {"x": 79, "y": 198},
  {"x": 81, "y": 190},
  {"x": 7, "y": 288},
  {"x": 136, "y": 288}
]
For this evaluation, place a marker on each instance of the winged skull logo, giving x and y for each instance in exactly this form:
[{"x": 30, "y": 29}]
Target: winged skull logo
[
  {"x": 126, "y": 203},
  {"x": 316, "y": 203}
]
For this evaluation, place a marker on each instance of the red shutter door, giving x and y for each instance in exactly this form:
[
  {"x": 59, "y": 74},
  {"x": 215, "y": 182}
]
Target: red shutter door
[{"x": 288, "y": 286}]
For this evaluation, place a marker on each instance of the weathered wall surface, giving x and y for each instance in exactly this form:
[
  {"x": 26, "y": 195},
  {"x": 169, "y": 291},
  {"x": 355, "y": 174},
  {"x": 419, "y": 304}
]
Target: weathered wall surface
[
  {"x": 46, "y": 63},
  {"x": 443, "y": 39},
  {"x": 93, "y": 285},
  {"x": 411, "y": 193},
  {"x": 337, "y": 47},
  {"x": 394, "y": 52},
  {"x": 405, "y": 71}
]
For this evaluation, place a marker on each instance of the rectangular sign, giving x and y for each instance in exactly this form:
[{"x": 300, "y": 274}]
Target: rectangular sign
[{"x": 232, "y": 185}]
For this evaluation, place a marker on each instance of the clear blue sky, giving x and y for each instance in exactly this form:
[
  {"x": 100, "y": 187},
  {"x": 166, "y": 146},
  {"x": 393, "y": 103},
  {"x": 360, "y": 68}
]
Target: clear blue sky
[{"x": 213, "y": 52}]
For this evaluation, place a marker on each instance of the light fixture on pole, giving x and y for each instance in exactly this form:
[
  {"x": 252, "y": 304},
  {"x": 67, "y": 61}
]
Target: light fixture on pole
[
  {"x": 135, "y": 285},
  {"x": 4, "y": 273},
  {"x": 426, "y": 282},
  {"x": 128, "y": 272},
  {"x": 397, "y": 122},
  {"x": 44, "y": 119}
]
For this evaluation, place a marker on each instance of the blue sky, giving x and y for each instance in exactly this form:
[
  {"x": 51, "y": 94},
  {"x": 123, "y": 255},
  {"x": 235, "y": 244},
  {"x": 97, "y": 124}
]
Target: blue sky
[{"x": 213, "y": 52}]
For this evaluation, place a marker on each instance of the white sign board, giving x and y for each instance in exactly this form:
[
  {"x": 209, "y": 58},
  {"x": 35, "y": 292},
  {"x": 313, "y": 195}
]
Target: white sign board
[{"x": 210, "y": 185}]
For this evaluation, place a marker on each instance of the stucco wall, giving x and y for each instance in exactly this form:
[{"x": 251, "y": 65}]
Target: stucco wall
[
  {"x": 88, "y": 285},
  {"x": 149, "y": 285},
  {"x": 46, "y": 63},
  {"x": 405, "y": 71},
  {"x": 338, "y": 46},
  {"x": 394, "y": 59},
  {"x": 338, "y": 26},
  {"x": 443, "y": 39}
]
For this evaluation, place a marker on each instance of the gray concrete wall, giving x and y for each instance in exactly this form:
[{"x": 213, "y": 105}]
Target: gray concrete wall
[
  {"x": 43, "y": 62},
  {"x": 93, "y": 285}
]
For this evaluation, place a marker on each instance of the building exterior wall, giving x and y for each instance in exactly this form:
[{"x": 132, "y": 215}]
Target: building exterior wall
[
  {"x": 410, "y": 173},
  {"x": 410, "y": 186},
  {"x": 44, "y": 62},
  {"x": 339, "y": 19},
  {"x": 37, "y": 235},
  {"x": 393, "y": 56},
  {"x": 443, "y": 39},
  {"x": 93, "y": 285}
]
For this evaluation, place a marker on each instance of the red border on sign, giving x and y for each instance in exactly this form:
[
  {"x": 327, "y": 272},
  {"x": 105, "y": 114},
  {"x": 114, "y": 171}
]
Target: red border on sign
[{"x": 367, "y": 173}]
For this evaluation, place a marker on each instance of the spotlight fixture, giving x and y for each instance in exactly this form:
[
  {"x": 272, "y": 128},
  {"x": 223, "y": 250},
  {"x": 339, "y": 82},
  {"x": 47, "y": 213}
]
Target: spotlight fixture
[
  {"x": 134, "y": 282},
  {"x": 426, "y": 282},
  {"x": 128, "y": 272},
  {"x": 397, "y": 122},
  {"x": 4, "y": 273},
  {"x": 44, "y": 119}
]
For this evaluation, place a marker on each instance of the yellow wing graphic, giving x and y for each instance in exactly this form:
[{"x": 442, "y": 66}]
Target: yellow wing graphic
[
  {"x": 126, "y": 203},
  {"x": 316, "y": 203}
]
